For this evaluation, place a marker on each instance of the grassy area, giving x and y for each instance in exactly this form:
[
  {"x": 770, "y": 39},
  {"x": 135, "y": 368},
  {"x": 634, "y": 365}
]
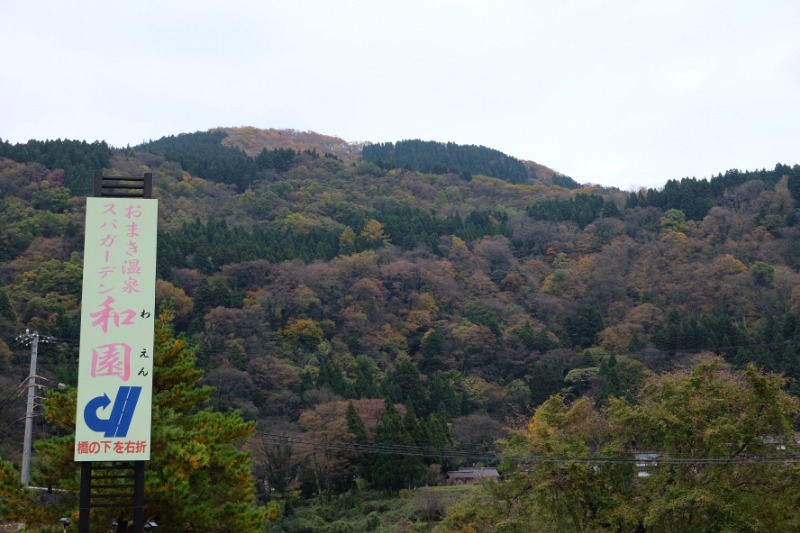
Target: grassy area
[{"x": 365, "y": 510}]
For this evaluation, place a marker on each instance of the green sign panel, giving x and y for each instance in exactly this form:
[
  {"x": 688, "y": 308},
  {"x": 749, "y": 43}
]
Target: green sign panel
[{"x": 115, "y": 374}]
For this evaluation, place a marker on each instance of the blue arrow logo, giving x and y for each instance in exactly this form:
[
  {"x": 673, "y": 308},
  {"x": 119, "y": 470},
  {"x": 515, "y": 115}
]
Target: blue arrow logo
[{"x": 119, "y": 420}]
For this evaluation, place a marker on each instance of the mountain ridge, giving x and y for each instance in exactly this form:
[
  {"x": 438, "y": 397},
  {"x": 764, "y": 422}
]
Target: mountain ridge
[{"x": 252, "y": 140}]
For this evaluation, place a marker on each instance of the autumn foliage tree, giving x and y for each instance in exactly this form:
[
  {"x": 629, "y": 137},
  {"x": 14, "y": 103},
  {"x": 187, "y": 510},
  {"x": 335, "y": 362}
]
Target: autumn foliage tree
[{"x": 722, "y": 439}]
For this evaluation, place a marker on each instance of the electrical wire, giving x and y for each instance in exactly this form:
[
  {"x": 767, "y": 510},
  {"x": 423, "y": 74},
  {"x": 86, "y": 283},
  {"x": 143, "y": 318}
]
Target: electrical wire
[
  {"x": 391, "y": 449},
  {"x": 640, "y": 458}
]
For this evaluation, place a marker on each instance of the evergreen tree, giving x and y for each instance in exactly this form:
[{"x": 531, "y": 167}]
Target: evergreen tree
[
  {"x": 794, "y": 183},
  {"x": 366, "y": 383},
  {"x": 544, "y": 381},
  {"x": 404, "y": 385},
  {"x": 356, "y": 428},
  {"x": 612, "y": 387},
  {"x": 526, "y": 334},
  {"x": 20, "y": 504},
  {"x": 355, "y": 425},
  {"x": 197, "y": 479},
  {"x": 443, "y": 397},
  {"x": 435, "y": 434},
  {"x": 431, "y": 349},
  {"x": 391, "y": 471},
  {"x": 584, "y": 328},
  {"x": 330, "y": 376}
]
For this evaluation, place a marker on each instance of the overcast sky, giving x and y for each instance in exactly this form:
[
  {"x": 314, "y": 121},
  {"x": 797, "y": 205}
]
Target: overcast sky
[{"x": 621, "y": 93}]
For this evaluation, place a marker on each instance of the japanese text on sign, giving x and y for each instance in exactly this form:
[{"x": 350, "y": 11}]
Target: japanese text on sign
[{"x": 117, "y": 320}]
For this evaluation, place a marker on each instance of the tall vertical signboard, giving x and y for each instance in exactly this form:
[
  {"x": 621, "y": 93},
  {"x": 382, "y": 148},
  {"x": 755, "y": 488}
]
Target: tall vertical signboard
[{"x": 115, "y": 373}]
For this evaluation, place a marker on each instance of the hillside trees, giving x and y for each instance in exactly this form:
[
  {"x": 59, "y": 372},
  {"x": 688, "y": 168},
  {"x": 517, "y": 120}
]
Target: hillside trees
[
  {"x": 429, "y": 156},
  {"x": 324, "y": 455},
  {"x": 316, "y": 280},
  {"x": 33, "y": 203},
  {"x": 77, "y": 159},
  {"x": 210, "y": 245},
  {"x": 695, "y": 197},
  {"x": 718, "y": 437},
  {"x": 714, "y": 412},
  {"x": 793, "y": 180},
  {"x": 203, "y": 154},
  {"x": 581, "y": 209}
]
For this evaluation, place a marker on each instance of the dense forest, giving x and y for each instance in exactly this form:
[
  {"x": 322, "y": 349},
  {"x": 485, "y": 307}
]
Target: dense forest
[
  {"x": 439, "y": 158},
  {"x": 426, "y": 295}
]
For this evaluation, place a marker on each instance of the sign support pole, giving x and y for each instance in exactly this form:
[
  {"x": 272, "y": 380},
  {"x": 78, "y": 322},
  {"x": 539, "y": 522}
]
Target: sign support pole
[{"x": 86, "y": 499}]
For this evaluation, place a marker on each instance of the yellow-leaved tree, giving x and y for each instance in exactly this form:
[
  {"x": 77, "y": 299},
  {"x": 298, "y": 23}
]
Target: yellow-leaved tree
[{"x": 704, "y": 449}]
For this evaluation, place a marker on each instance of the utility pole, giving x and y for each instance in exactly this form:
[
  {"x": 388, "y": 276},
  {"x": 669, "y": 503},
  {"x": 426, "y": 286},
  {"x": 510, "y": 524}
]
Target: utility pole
[{"x": 33, "y": 340}]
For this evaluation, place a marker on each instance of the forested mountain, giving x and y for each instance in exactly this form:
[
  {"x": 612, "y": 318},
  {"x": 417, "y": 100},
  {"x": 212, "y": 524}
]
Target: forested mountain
[{"x": 424, "y": 295}]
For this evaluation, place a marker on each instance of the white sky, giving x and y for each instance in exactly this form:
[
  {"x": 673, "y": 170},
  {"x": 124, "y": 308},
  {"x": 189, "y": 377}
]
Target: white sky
[{"x": 617, "y": 92}]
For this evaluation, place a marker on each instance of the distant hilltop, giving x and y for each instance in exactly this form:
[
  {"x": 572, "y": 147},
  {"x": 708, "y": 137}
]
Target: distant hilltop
[{"x": 253, "y": 140}]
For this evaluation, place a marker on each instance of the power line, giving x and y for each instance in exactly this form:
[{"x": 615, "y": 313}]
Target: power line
[
  {"x": 35, "y": 415},
  {"x": 392, "y": 449},
  {"x": 640, "y": 458},
  {"x": 15, "y": 395}
]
